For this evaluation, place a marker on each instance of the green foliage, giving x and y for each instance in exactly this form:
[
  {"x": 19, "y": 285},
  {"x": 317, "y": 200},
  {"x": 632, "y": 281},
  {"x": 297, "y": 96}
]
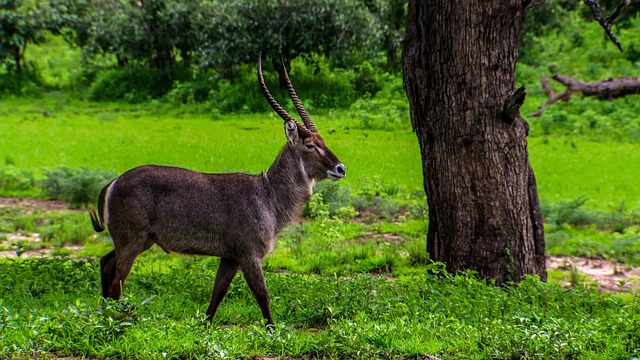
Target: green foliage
[
  {"x": 239, "y": 96},
  {"x": 26, "y": 22},
  {"x": 387, "y": 109},
  {"x": 28, "y": 228},
  {"x": 317, "y": 85},
  {"x": 13, "y": 178},
  {"x": 541, "y": 22},
  {"x": 79, "y": 186},
  {"x": 329, "y": 197},
  {"x": 154, "y": 33},
  {"x": 592, "y": 242},
  {"x": 132, "y": 84},
  {"x": 239, "y": 31}
]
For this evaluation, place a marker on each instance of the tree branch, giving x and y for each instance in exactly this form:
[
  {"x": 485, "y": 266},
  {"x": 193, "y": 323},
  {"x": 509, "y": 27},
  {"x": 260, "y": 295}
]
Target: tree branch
[
  {"x": 606, "y": 89},
  {"x": 527, "y": 4},
  {"x": 606, "y": 22}
]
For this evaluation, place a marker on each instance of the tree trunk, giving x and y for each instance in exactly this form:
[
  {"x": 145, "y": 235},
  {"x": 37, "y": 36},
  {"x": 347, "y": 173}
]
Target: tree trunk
[
  {"x": 459, "y": 62},
  {"x": 282, "y": 81}
]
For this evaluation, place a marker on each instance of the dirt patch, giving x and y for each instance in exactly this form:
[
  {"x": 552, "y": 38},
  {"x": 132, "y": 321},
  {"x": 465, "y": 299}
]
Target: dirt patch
[
  {"x": 40, "y": 253},
  {"x": 391, "y": 238},
  {"x": 31, "y": 205},
  {"x": 609, "y": 275}
]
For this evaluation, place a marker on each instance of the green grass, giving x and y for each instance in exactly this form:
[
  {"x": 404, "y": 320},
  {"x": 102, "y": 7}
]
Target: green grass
[
  {"x": 50, "y": 307},
  {"x": 607, "y": 173},
  {"x": 591, "y": 242},
  {"x": 50, "y": 132}
]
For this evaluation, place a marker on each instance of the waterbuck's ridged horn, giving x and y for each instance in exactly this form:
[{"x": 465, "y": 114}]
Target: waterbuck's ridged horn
[
  {"x": 274, "y": 104},
  {"x": 296, "y": 101}
]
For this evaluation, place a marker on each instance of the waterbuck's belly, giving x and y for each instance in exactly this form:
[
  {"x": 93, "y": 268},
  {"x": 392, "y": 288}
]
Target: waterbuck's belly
[{"x": 215, "y": 237}]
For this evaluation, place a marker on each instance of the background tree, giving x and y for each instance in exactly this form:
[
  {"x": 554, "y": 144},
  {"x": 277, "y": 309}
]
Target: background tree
[
  {"x": 156, "y": 33},
  {"x": 392, "y": 17},
  {"x": 459, "y": 71},
  {"x": 334, "y": 28},
  {"x": 23, "y": 23}
]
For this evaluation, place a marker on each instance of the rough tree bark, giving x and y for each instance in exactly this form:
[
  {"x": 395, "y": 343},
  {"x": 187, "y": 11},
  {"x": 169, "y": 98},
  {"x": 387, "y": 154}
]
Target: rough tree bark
[{"x": 459, "y": 71}]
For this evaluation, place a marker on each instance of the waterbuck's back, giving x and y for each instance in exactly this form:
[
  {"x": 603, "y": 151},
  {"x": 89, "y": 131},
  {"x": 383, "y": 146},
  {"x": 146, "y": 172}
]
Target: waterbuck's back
[{"x": 190, "y": 212}]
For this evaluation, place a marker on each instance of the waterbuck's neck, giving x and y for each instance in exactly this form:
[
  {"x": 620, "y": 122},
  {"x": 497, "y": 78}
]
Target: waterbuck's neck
[{"x": 288, "y": 185}]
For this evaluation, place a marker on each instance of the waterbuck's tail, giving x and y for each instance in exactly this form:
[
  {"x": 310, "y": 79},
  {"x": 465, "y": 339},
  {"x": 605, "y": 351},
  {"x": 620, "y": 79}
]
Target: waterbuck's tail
[
  {"x": 96, "y": 221},
  {"x": 97, "y": 217}
]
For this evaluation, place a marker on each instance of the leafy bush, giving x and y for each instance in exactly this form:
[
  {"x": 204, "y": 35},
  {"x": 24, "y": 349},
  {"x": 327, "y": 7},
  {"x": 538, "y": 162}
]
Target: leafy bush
[
  {"x": 388, "y": 109},
  {"x": 241, "y": 95},
  {"x": 79, "y": 186},
  {"x": 572, "y": 212}
]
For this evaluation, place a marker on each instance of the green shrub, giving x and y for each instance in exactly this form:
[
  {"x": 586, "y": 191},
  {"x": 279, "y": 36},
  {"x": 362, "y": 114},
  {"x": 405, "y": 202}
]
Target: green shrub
[
  {"x": 567, "y": 212},
  {"x": 28, "y": 83},
  {"x": 318, "y": 87},
  {"x": 388, "y": 109},
  {"x": 131, "y": 84},
  {"x": 241, "y": 95},
  {"x": 79, "y": 186},
  {"x": 571, "y": 212},
  {"x": 13, "y": 178},
  {"x": 334, "y": 195}
]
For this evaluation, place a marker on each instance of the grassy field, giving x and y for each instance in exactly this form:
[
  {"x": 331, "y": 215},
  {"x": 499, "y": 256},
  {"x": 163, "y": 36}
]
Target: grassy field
[
  {"x": 351, "y": 281},
  {"x": 48, "y": 133}
]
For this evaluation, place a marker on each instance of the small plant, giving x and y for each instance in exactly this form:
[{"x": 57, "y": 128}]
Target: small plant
[{"x": 333, "y": 198}]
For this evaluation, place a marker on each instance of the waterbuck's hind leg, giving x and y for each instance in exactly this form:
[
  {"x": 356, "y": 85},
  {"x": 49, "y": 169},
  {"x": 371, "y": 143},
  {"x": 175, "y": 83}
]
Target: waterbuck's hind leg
[
  {"x": 124, "y": 257},
  {"x": 252, "y": 270},
  {"x": 107, "y": 268},
  {"x": 226, "y": 272}
]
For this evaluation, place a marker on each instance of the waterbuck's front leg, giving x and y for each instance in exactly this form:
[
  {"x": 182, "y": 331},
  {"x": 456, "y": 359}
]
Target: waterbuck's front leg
[
  {"x": 252, "y": 270},
  {"x": 225, "y": 274}
]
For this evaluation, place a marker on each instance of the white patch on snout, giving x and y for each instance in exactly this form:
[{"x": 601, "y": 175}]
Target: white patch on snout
[{"x": 107, "y": 195}]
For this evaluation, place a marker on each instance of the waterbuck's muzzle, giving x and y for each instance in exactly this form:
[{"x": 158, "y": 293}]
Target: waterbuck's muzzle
[{"x": 338, "y": 172}]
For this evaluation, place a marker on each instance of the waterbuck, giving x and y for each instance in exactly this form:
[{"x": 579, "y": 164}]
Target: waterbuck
[{"x": 234, "y": 216}]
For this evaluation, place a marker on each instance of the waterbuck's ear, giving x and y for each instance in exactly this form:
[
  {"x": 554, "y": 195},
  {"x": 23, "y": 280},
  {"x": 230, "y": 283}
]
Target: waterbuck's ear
[{"x": 291, "y": 131}]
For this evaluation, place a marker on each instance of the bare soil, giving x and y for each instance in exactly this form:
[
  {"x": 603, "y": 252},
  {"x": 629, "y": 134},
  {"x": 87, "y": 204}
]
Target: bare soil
[
  {"x": 609, "y": 276},
  {"x": 35, "y": 204}
]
